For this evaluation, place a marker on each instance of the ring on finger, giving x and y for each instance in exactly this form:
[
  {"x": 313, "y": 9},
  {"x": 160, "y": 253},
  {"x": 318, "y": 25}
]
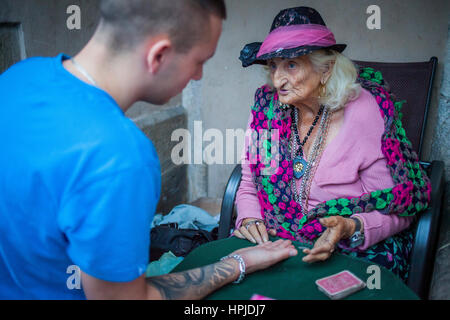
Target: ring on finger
[{"x": 250, "y": 223}]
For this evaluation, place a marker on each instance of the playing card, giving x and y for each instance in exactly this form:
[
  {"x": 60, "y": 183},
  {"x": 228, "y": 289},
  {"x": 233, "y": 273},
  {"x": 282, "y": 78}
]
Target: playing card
[
  {"x": 340, "y": 285},
  {"x": 260, "y": 297}
]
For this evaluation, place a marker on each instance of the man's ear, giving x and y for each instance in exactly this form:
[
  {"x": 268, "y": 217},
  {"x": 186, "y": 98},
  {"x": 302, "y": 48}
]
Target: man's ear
[{"x": 157, "y": 53}]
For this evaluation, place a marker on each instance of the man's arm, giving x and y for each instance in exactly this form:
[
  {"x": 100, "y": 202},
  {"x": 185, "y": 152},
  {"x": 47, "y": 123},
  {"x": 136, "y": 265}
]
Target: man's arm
[
  {"x": 195, "y": 283},
  {"x": 192, "y": 284}
]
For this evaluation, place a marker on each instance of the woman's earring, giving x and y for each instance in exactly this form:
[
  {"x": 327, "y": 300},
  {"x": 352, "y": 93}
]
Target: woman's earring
[{"x": 322, "y": 90}]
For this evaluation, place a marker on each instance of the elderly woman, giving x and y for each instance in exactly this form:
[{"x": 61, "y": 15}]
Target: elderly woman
[{"x": 340, "y": 171}]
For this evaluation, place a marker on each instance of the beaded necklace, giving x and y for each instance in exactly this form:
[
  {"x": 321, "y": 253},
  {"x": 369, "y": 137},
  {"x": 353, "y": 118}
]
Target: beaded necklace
[
  {"x": 301, "y": 197},
  {"x": 299, "y": 162}
]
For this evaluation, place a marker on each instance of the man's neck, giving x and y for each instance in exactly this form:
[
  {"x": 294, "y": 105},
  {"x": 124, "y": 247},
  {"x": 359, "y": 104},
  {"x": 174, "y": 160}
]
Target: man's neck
[{"x": 110, "y": 74}]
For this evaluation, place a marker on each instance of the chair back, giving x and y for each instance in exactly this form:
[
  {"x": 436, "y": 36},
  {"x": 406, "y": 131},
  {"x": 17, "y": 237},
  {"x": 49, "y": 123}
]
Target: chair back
[
  {"x": 413, "y": 82},
  {"x": 410, "y": 81}
]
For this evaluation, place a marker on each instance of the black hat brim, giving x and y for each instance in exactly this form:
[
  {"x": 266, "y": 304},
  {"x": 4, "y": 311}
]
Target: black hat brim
[{"x": 249, "y": 52}]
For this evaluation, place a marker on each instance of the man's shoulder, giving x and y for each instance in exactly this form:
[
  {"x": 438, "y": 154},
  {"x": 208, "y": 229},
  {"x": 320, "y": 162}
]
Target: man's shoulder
[
  {"x": 28, "y": 79},
  {"x": 27, "y": 66},
  {"x": 113, "y": 135}
]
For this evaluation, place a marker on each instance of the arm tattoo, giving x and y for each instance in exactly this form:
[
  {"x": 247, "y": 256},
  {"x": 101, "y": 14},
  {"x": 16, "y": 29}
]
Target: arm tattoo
[{"x": 195, "y": 283}]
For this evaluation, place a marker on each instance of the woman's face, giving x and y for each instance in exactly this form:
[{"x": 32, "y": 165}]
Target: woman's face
[{"x": 294, "y": 79}]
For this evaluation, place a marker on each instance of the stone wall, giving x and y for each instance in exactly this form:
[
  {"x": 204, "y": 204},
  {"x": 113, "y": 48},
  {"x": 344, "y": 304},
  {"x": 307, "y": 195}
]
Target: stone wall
[
  {"x": 441, "y": 140},
  {"x": 158, "y": 123}
]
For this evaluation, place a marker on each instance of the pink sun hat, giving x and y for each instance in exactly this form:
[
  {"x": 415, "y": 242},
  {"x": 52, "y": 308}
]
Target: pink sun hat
[{"x": 294, "y": 32}]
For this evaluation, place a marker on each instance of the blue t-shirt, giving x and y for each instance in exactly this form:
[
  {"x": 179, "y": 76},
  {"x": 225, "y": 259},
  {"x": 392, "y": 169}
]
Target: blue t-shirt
[{"x": 79, "y": 184}]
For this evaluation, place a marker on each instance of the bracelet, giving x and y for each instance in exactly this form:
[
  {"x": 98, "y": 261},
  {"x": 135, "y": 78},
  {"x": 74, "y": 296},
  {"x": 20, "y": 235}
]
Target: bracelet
[
  {"x": 241, "y": 266},
  {"x": 358, "y": 224}
]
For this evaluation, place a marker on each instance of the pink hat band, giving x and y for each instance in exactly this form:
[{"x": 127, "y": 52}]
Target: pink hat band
[{"x": 294, "y": 36}]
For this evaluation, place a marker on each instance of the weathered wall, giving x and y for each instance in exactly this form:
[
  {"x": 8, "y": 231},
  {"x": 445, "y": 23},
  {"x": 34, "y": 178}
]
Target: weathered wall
[
  {"x": 411, "y": 30},
  {"x": 441, "y": 138}
]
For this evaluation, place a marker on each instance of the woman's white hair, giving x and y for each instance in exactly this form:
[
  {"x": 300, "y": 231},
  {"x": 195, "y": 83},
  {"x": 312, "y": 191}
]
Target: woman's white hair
[{"x": 341, "y": 86}]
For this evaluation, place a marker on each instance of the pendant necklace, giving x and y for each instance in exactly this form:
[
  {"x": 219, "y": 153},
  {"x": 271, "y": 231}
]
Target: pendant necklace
[{"x": 299, "y": 162}]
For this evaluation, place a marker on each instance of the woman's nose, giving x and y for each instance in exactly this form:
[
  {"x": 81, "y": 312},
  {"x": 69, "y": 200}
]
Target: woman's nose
[{"x": 278, "y": 78}]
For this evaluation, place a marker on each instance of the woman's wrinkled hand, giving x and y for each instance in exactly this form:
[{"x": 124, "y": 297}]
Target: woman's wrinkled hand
[
  {"x": 338, "y": 228},
  {"x": 254, "y": 230}
]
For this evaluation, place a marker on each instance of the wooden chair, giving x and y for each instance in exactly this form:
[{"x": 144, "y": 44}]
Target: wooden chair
[{"x": 413, "y": 82}]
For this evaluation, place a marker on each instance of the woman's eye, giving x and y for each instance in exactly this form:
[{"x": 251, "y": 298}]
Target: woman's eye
[
  {"x": 291, "y": 65},
  {"x": 272, "y": 66}
]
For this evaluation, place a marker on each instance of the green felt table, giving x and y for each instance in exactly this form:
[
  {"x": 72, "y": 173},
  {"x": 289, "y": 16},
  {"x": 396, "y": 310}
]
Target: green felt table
[{"x": 293, "y": 278}]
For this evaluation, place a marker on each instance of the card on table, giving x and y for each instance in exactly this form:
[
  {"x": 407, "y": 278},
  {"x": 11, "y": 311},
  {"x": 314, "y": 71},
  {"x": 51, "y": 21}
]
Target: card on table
[
  {"x": 260, "y": 297},
  {"x": 340, "y": 285}
]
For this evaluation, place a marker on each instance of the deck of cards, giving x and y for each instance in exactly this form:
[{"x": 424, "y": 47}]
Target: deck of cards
[{"x": 340, "y": 285}]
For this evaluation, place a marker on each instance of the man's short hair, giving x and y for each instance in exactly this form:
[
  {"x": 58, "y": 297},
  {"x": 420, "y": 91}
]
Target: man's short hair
[{"x": 130, "y": 21}]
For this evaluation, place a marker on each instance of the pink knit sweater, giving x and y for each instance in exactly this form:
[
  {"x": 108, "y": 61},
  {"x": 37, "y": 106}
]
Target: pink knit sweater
[{"x": 352, "y": 164}]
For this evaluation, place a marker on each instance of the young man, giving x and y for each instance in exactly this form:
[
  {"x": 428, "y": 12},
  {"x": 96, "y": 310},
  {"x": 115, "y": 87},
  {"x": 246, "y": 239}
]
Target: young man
[{"x": 79, "y": 182}]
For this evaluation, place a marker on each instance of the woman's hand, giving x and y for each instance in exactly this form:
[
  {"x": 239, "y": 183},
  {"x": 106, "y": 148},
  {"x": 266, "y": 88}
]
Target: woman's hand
[
  {"x": 254, "y": 230},
  {"x": 338, "y": 228}
]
